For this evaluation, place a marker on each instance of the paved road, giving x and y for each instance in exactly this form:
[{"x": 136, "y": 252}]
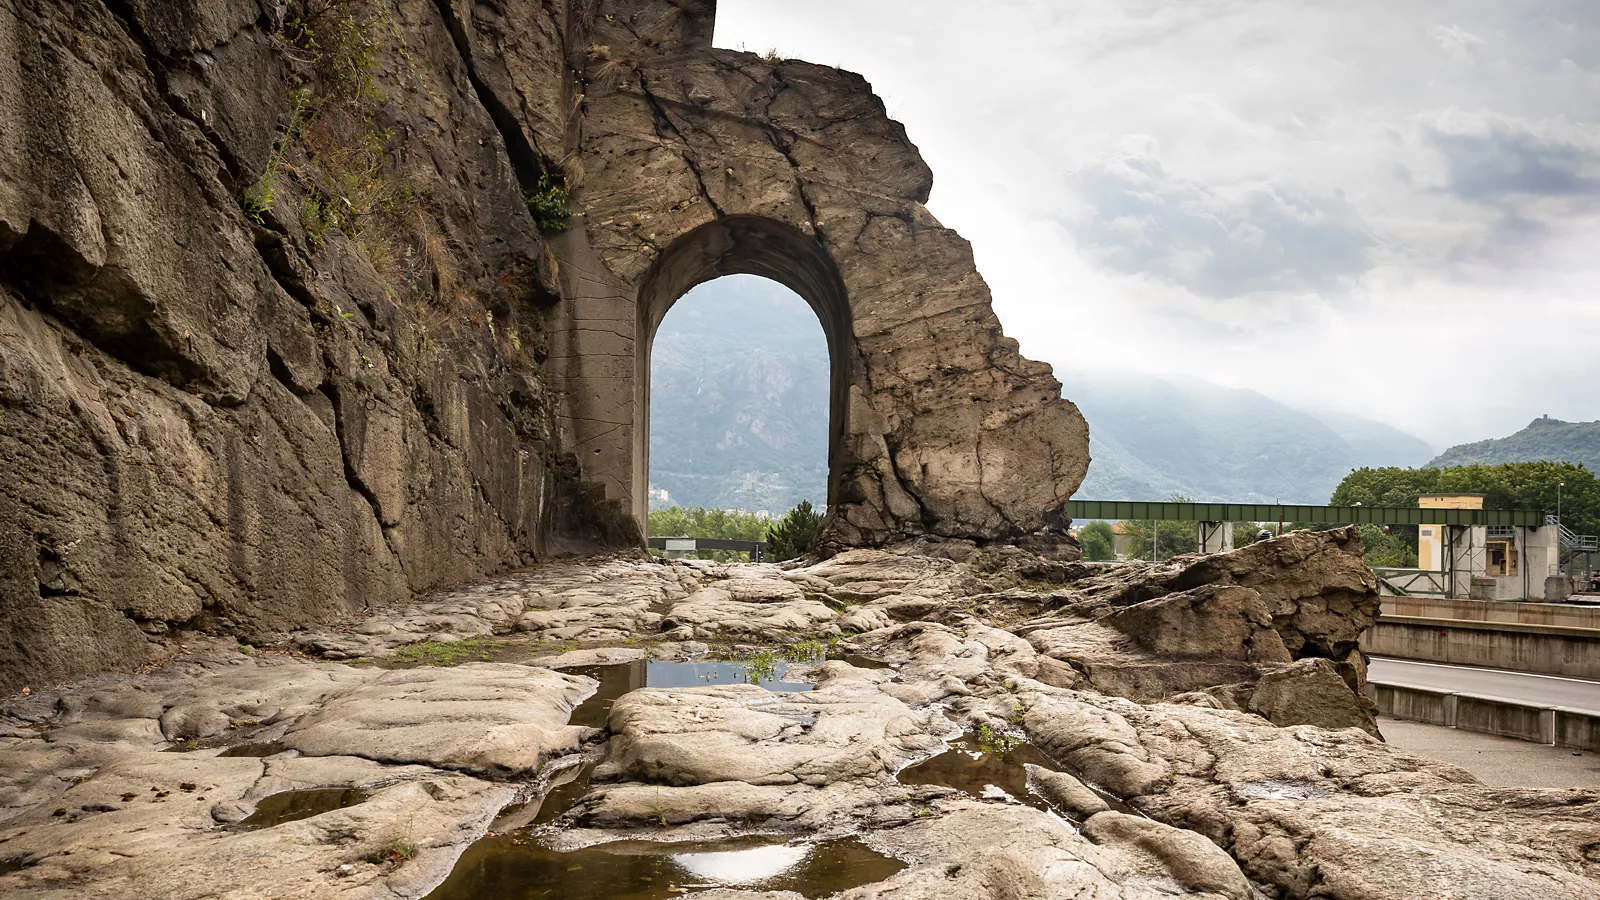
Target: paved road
[
  {"x": 1552, "y": 690},
  {"x": 1498, "y": 761}
]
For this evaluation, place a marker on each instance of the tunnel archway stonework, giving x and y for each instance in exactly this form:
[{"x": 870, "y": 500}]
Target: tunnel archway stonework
[{"x": 699, "y": 162}]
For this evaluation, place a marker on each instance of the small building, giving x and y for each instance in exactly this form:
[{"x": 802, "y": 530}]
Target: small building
[{"x": 1488, "y": 562}]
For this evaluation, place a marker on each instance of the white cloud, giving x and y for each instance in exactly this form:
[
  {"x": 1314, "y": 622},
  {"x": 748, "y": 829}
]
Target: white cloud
[
  {"x": 1389, "y": 208},
  {"x": 1458, "y": 42}
]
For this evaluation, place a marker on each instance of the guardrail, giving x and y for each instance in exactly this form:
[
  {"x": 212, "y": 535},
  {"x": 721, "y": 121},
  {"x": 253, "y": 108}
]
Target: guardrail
[
  {"x": 756, "y": 549},
  {"x": 1555, "y": 725},
  {"x": 1405, "y": 582}
]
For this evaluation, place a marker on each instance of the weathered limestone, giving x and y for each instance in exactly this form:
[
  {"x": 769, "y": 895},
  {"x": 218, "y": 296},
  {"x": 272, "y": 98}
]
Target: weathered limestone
[
  {"x": 1270, "y": 628},
  {"x": 1192, "y": 796},
  {"x": 700, "y": 162},
  {"x": 282, "y": 340},
  {"x": 249, "y": 418}
]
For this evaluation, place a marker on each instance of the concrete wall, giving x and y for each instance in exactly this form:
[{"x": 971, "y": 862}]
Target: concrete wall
[
  {"x": 1564, "y": 615},
  {"x": 1547, "y": 649},
  {"x": 1575, "y": 728}
]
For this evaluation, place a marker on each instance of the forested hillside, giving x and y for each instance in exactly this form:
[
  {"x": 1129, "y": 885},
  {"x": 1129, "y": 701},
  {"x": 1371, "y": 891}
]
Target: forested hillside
[{"x": 1545, "y": 439}]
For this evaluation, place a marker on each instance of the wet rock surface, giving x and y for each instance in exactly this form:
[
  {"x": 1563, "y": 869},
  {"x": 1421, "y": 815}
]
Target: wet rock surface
[{"x": 874, "y": 753}]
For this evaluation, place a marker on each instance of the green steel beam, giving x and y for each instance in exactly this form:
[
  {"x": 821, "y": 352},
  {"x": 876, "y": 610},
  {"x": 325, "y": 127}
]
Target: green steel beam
[{"x": 1267, "y": 512}]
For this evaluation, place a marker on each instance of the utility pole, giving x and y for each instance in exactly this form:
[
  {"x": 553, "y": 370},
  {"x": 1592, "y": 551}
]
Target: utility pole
[
  {"x": 1155, "y": 529},
  {"x": 1559, "y": 486}
]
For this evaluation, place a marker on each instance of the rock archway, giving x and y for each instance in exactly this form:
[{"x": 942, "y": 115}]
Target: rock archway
[
  {"x": 698, "y": 162},
  {"x": 749, "y": 245}
]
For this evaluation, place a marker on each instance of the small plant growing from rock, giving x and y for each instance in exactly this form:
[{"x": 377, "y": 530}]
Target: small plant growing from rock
[
  {"x": 548, "y": 203},
  {"x": 395, "y": 852},
  {"x": 811, "y": 650},
  {"x": 448, "y": 653},
  {"x": 761, "y": 666},
  {"x": 996, "y": 742}
]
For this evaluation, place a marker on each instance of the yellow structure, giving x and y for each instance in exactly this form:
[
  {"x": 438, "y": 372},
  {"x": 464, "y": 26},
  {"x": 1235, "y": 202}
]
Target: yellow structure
[{"x": 1431, "y": 538}]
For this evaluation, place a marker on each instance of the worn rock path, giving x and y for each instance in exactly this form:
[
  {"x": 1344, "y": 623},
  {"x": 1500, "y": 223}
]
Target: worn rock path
[{"x": 1202, "y": 720}]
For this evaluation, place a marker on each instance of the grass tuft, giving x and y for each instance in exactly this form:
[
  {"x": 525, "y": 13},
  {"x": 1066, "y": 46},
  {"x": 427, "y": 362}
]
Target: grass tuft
[{"x": 448, "y": 653}]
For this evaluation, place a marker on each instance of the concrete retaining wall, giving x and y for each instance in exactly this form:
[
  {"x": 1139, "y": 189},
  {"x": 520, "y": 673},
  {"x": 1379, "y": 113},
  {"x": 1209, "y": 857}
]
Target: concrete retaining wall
[
  {"x": 1548, "y": 649},
  {"x": 1560, "y": 614},
  {"x": 1574, "y": 728}
]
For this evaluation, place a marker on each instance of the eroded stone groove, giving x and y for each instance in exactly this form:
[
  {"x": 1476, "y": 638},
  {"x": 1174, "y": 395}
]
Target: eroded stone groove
[{"x": 1181, "y": 786}]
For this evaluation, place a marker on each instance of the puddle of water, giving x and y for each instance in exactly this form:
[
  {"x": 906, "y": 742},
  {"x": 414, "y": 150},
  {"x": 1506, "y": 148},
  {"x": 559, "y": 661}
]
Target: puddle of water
[
  {"x": 255, "y": 751},
  {"x": 292, "y": 806},
  {"x": 619, "y": 679},
  {"x": 563, "y": 796},
  {"x": 516, "y": 866},
  {"x": 972, "y": 767}
]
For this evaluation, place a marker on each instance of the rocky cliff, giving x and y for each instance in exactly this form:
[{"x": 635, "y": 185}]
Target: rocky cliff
[
  {"x": 274, "y": 325},
  {"x": 294, "y": 318}
]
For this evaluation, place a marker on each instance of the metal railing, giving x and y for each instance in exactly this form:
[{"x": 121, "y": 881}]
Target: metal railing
[
  {"x": 1406, "y": 582},
  {"x": 756, "y": 549},
  {"x": 1583, "y": 543}
]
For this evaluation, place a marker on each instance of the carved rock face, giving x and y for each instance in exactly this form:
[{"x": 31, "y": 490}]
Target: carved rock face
[
  {"x": 700, "y": 163},
  {"x": 234, "y": 398}
]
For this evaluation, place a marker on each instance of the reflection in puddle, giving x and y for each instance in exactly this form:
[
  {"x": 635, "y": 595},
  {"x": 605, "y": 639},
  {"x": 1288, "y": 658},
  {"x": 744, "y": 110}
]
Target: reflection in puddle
[
  {"x": 972, "y": 765},
  {"x": 517, "y": 866},
  {"x": 616, "y": 680},
  {"x": 292, "y": 806}
]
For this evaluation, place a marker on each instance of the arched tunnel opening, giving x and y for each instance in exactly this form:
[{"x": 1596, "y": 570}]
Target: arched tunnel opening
[
  {"x": 789, "y": 266},
  {"x": 739, "y": 402}
]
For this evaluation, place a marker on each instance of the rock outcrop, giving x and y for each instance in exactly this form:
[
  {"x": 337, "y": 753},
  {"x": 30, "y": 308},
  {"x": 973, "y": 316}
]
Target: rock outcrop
[
  {"x": 1035, "y": 783},
  {"x": 1271, "y": 628},
  {"x": 282, "y": 336}
]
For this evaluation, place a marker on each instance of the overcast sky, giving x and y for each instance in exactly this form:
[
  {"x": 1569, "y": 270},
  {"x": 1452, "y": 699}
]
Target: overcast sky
[{"x": 1391, "y": 208}]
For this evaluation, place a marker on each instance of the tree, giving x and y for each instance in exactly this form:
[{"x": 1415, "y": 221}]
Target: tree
[
  {"x": 1170, "y": 538},
  {"x": 1387, "y": 547},
  {"x": 1166, "y": 538},
  {"x": 699, "y": 522},
  {"x": 1098, "y": 541},
  {"x": 795, "y": 534},
  {"x": 1520, "y": 485}
]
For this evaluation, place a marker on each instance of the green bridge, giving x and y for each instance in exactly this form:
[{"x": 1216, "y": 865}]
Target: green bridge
[{"x": 1275, "y": 512}]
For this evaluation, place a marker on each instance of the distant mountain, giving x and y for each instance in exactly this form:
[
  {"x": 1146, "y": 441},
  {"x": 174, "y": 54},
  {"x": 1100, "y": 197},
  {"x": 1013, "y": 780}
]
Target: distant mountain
[
  {"x": 1375, "y": 443},
  {"x": 1544, "y": 439},
  {"x": 1151, "y": 438},
  {"x": 739, "y": 400},
  {"x": 739, "y": 419}
]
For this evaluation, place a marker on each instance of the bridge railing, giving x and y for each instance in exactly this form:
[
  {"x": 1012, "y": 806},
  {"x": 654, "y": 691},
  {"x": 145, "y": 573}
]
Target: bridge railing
[
  {"x": 1405, "y": 582},
  {"x": 756, "y": 549}
]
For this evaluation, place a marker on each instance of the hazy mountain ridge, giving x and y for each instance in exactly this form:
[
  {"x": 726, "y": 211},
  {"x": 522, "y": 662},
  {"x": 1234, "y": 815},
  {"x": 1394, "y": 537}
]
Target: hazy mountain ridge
[
  {"x": 1152, "y": 438},
  {"x": 1544, "y": 439},
  {"x": 740, "y": 412}
]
